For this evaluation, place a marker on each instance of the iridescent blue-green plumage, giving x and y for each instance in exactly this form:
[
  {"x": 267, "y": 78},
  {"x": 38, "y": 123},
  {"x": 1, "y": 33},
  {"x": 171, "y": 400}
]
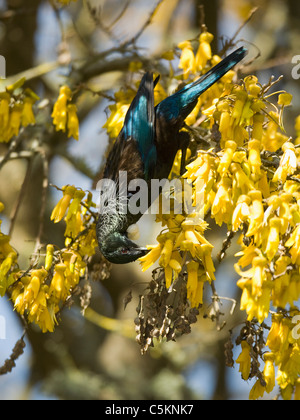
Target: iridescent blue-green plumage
[{"x": 146, "y": 148}]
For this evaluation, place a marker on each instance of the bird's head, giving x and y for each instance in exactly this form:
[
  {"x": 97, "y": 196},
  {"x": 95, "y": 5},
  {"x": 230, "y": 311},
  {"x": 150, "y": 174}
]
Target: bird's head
[{"x": 118, "y": 249}]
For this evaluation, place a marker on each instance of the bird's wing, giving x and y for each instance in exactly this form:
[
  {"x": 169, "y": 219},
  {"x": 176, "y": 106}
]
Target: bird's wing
[
  {"x": 139, "y": 124},
  {"x": 178, "y": 106}
]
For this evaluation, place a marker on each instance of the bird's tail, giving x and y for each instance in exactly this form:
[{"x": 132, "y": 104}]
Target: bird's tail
[
  {"x": 217, "y": 72},
  {"x": 180, "y": 104}
]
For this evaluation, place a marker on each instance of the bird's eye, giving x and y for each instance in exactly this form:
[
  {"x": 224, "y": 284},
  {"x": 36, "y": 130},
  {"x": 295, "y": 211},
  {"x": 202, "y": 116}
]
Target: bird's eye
[{"x": 125, "y": 251}]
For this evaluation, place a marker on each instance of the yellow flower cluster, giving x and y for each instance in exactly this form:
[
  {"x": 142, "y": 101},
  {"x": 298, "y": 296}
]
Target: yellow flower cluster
[
  {"x": 40, "y": 293},
  {"x": 183, "y": 236},
  {"x": 15, "y": 110},
  {"x": 249, "y": 180},
  {"x": 249, "y": 190},
  {"x": 78, "y": 218},
  {"x": 285, "y": 347},
  {"x": 65, "y": 113},
  {"x": 284, "y": 355},
  {"x": 245, "y": 194},
  {"x": 191, "y": 63},
  {"x": 8, "y": 260}
]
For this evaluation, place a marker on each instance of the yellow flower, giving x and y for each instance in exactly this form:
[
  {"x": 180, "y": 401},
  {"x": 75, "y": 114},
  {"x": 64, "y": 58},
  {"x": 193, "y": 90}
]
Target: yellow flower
[
  {"x": 273, "y": 340},
  {"x": 269, "y": 371},
  {"x": 57, "y": 287},
  {"x": 247, "y": 255},
  {"x": 203, "y": 54},
  {"x": 273, "y": 239},
  {"x": 259, "y": 265},
  {"x": 262, "y": 305},
  {"x": 241, "y": 212},
  {"x": 272, "y": 138},
  {"x": 258, "y": 121},
  {"x": 192, "y": 283},
  {"x": 201, "y": 169},
  {"x": 175, "y": 171},
  {"x": 74, "y": 207},
  {"x": 237, "y": 112},
  {"x": 173, "y": 268},
  {"x": 204, "y": 254},
  {"x": 15, "y": 120},
  {"x": 5, "y": 266},
  {"x": 32, "y": 289},
  {"x": 290, "y": 369},
  {"x": 257, "y": 391},
  {"x": 187, "y": 59},
  {"x": 222, "y": 206},
  {"x": 254, "y": 156},
  {"x": 116, "y": 119},
  {"x": 256, "y": 213},
  {"x": 256, "y": 287},
  {"x": 88, "y": 242},
  {"x": 243, "y": 184},
  {"x": 60, "y": 111},
  {"x": 27, "y": 113},
  {"x": 297, "y": 390},
  {"x": 288, "y": 163},
  {"x": 43, "y": 313},
  {"x": 196, "y": 279},
  {"x": 285, "y": 99},
  {"x": 278, "y": 336},
  {"x": 166, "y": 253},
  {"x": 73, "y": 122},
  {"x": 74, "y": 225},
  {"x": 294, "y": 243},
  {"x": 287, "y": 392},
  {"x": 49, "y": 257},
  {"x": 61, "y": 207},
  {"x": 4, "y": 113},
  {"x": 244, "y": 360},
  {"x": 230, "y": 148},
  {"x": 283, "y": 284}
]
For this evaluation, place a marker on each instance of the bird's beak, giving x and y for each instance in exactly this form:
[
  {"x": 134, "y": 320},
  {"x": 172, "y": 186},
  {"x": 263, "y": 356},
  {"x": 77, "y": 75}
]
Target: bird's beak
[{"x": 142, "y": 250}]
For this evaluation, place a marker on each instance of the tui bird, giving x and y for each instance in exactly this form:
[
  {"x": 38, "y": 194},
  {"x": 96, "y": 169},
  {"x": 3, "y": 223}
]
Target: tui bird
[{"x": 145, "y": 149}]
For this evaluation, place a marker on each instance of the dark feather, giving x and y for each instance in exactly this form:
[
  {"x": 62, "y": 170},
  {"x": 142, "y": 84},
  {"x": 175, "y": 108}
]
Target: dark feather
[{"x": 139, "y": 124}]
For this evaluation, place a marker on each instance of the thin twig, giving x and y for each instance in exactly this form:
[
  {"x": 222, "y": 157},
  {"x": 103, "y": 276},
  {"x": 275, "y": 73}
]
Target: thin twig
[
  {"x": 231, "y": 42},
  {"x": 95, "y": 14},
  {"x": 216, "y": 307},
  {"x": 17, "y": 351},
  {"x": 121, "y": 14},
  {"x": 226, "y": 244},
  {"x": 133, "y": 40},
  {"x": 25, "y": 154},
  {"x": 13, "y": 146},
  {"x": 107, "y": 29},
  {"x": 292, "y": 178}
]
